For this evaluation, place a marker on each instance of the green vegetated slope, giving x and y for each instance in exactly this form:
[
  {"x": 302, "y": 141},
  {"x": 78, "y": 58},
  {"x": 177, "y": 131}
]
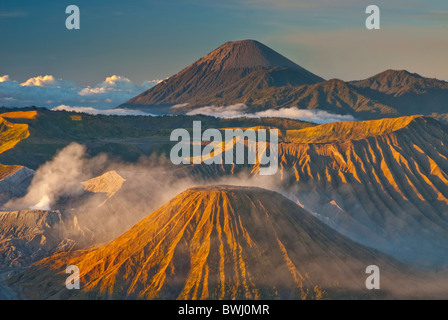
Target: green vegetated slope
[{"x": 125, "y": 137}]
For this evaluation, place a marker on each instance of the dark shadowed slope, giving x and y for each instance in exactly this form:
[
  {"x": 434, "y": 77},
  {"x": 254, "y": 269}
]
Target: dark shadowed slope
[
  {"x": 334, "y": 96},
  {"x": 407, "y": 92}
]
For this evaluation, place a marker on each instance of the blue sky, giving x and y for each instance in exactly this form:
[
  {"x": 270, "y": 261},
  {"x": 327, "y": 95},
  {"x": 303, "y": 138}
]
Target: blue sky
[{"x": 144, "y": 40}]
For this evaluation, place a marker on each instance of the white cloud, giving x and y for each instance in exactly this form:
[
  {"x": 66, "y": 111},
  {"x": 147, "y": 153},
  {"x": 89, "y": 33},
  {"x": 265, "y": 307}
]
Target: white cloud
[
  {"x": 180, "y": 106},
  {"x": 232, "y": 111},
  {"x": 4, "y": 78},
  {"x": 113, "y": 112},
  {"x": 117, "y": 84},
  {"x": 317, "y": 116},
  {"x": 240, "y": 110},
  {"x": 46, "y": 81},
  {"x": 48, "y": 91}
]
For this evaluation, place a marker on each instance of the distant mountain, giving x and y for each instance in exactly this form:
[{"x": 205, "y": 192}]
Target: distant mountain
[
  {"x": 400, "y": 82},
  {"x": 409, "y": 93},
  {"x": 219, "y": 242},
  {"x": 250, "y": 73},
  {"x": 248, "y": 62},
  {"x": 334, "y": 96}
]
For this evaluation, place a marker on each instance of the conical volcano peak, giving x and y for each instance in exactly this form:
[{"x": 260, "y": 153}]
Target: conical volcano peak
[
  {"x": 219, "y": 242},
  {"x": 229, "y": 72},
  {"x": 246, "y": 54}
]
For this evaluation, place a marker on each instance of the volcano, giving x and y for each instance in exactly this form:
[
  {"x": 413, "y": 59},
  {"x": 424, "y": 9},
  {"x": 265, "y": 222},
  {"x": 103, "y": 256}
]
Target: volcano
[
  {"x": 251, "y": 74},
  {"x": 217, "y": 242},
  {"x": 236, "y": 67}
]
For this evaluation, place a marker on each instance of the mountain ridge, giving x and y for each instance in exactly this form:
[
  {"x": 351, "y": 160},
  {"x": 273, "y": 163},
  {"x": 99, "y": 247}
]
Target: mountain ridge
[
  {"x": 399, "y": 82},
  {"x": 248, "y": 72},
  {"x": 408, "y": 93}
]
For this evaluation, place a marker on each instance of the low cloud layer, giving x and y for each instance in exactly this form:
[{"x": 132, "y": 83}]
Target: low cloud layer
[
  {"x": 58, "y": 94},
  {"x": 48, "y": 91},
  {"x": 317, "y": 116},
  {"x": 240, "y": 110},
  {"x": 109, "y": 112}
]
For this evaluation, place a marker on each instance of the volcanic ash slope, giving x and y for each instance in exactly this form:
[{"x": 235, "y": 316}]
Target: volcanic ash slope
[{"x": 218, "y": 242}]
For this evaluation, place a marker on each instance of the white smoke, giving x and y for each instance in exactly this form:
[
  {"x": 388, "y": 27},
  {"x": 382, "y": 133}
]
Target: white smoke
[
  {"x": 57, "y": 178},
  {"x": 43, "y": 204},
  {"x": 149, "y": 184}
]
